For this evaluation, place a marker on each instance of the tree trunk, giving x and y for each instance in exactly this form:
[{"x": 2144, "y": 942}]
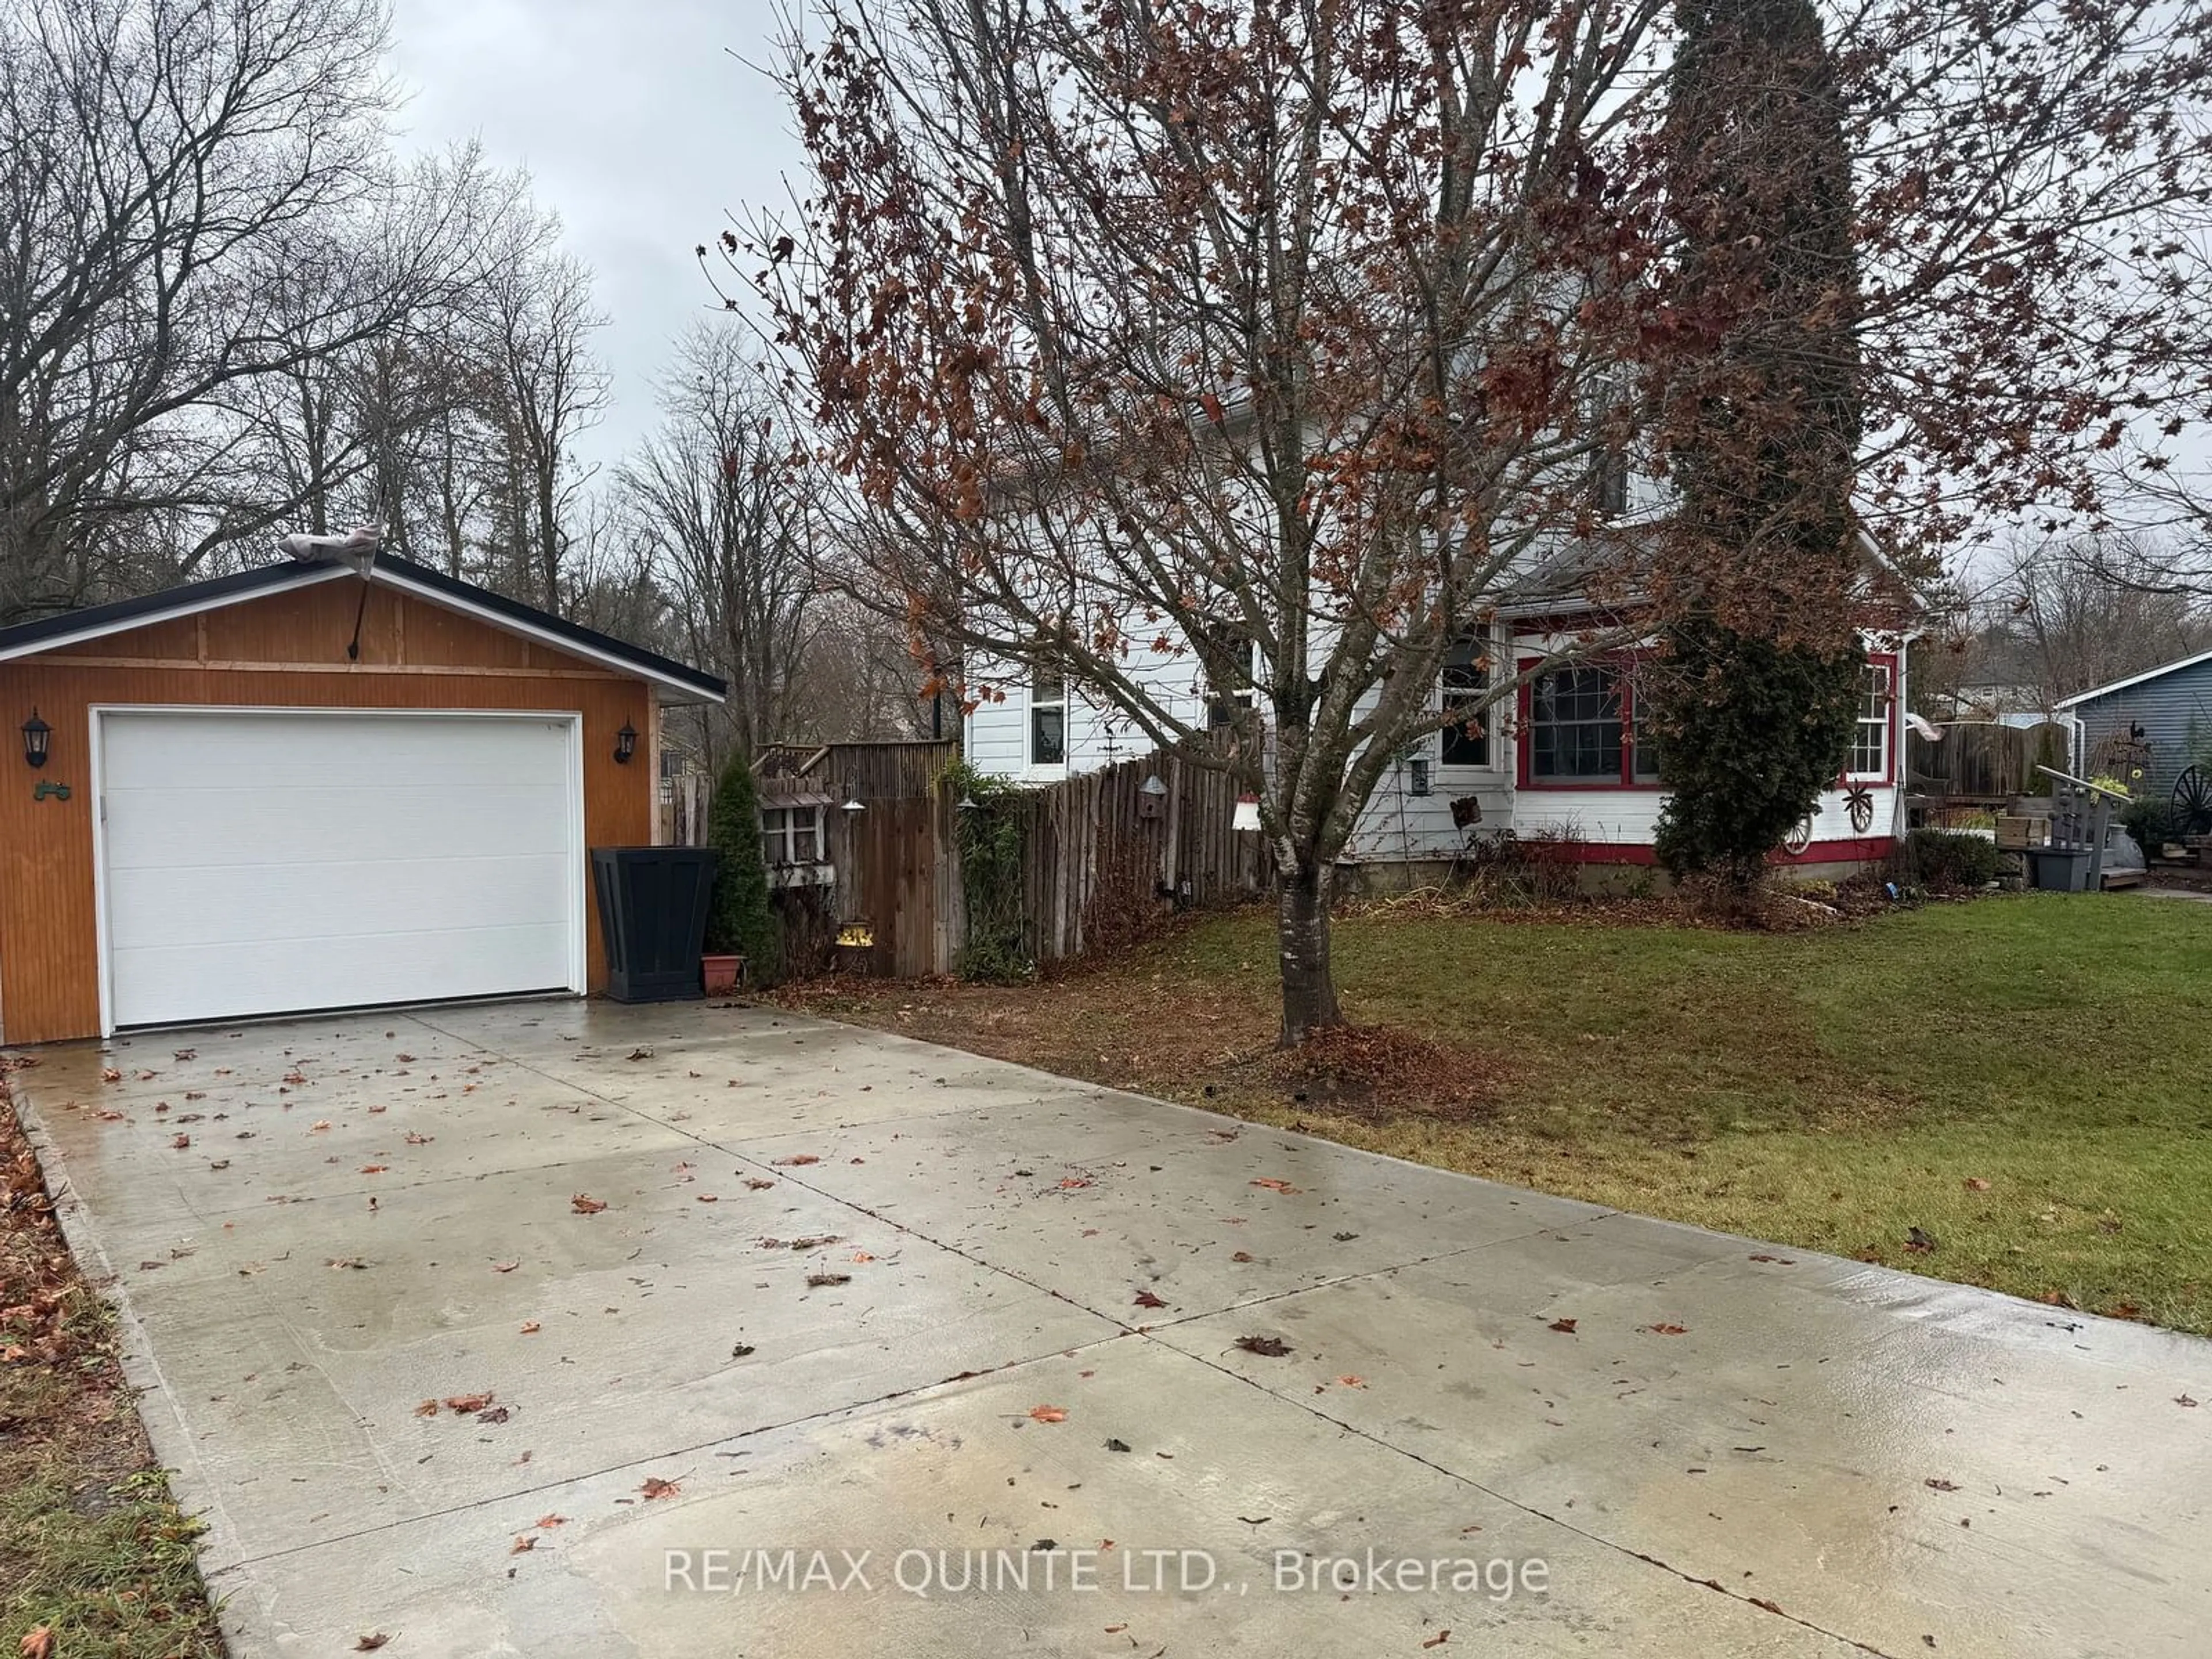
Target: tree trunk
[{"x": 1302, "y": 924}]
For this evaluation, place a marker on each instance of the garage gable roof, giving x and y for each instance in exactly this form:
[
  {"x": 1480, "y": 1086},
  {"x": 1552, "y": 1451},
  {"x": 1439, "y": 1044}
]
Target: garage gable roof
[{"x": 676, "y": 683}]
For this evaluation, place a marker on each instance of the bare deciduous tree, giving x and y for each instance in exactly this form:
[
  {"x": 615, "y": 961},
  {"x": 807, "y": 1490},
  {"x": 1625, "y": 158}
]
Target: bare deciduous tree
[
  {"x": 732, "y": 527},
  {"x": 197, "y": 197}
]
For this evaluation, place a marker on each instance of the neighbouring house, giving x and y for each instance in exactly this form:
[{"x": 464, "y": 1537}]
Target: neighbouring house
[
  {"x": 2158, "y": 722},
  {"x": 1560, "y": 763},
  {"x": 306, "y": 786}
]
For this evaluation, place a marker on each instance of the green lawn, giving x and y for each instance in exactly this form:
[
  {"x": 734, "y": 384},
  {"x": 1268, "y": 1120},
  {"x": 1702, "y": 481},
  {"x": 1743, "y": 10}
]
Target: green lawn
[{"x": 1831, "y": 1089}]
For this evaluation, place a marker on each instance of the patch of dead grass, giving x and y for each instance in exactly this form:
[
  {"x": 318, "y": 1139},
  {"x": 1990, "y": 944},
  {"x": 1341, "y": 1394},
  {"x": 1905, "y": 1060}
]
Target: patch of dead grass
[{"x": 92, "y": 1550}]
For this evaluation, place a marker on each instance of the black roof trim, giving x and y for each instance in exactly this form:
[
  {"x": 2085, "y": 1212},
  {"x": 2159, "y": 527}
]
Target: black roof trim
[
  {"x": 150, "y": 607},
  {"x": 529, "y": 615},
  {"x": 218, "y": 590}
]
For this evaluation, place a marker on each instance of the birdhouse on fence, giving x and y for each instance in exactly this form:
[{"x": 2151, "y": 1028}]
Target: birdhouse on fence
[{"x": 1150, "y": 795}]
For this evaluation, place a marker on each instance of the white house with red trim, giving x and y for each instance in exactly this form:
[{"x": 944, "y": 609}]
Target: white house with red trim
[{"x": 1559, "y": 763}]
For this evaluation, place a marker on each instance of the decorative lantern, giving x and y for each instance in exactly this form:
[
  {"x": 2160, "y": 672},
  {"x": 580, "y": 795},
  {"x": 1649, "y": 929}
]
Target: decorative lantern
[
  {"x": 37, "y": 738},
  {"x": 1247, "y": 816},
  {"x": 625, "y": 743}
]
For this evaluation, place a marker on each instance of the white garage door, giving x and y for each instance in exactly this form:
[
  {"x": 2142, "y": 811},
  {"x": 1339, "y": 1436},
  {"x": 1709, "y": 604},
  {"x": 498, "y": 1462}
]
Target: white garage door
[{"x": 255, "y": 863}]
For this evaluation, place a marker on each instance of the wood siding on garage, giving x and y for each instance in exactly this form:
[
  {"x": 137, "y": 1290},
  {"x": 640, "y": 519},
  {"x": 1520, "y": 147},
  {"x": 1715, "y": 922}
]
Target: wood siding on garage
[{"x": 288, "y": 650}]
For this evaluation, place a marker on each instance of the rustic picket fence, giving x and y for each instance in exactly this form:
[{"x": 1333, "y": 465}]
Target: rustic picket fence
[{"x": 1103, "y": 863}]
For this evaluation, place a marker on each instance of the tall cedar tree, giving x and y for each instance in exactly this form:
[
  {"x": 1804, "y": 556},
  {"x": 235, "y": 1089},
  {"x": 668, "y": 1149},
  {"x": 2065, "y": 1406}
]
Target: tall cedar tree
[
  {"x": 739, "y": 920},
  {"x": 1757, "y": 687}
]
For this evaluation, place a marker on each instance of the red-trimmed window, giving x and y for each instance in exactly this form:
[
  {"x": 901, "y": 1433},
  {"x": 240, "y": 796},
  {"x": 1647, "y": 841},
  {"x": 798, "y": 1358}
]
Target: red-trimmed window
[
  {"x": 1578, "y": 729},
  {"x": 1873, "y": 742}
]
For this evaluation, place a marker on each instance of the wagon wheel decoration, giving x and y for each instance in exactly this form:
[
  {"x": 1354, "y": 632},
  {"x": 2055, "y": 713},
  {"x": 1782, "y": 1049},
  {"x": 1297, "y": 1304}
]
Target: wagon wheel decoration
[
  {"x": 2192, "y": 802},
  {"x": 1859, "y": 803},
  {"x": 1800, "y": 837}
]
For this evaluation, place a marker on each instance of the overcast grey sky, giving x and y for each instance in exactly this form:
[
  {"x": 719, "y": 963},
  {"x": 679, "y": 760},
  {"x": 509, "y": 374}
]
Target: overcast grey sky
[{"x": 640, "y": 128}]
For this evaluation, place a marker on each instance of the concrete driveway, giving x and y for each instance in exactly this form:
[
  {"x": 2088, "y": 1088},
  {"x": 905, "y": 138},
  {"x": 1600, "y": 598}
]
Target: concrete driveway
[{"x": 849, "y": 1293}]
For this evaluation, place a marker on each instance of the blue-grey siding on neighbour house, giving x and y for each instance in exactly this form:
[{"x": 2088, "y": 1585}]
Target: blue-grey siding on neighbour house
[{"x": 2175, "y": 713}]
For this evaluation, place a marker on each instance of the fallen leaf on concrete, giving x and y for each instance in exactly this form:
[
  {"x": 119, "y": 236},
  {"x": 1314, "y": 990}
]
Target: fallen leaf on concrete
[
  {"x": 107, "y": 1074},
  {"x": 823, "y": 1281},
  {"x": 497, "y": 1414},
  {"x": 465, "y": 1403},
  {"x": 403, "y": 1059},
  {"x": 550, "y": 1521},
  {"x": 414, "y": 1139},
  {"x": 505, "y": 1266},
  {"x": 1565, "y": 1327},
  {"x": 345, "y": 1261},
  {"x": 705, "y": 1198},
  {"x": 370, "y": 1642},
  {"x": 187, "y": 1053},
  {"x": 1785, "y": 1261},
  {"x": 1112, "y": 1445},
  {"x": 1936, "y": 1483},
  {"x": 654, "y": 1487},
  {"x": 428, "y": 1408},
  {"x": 741, "y": 1350},
  {"x": 374, "y": 1169},
  {"x": 640, "y": 1053},
  {"x": 318, "y": 1125},
  {"x": 1438, "y": 1639},
  {"x": 1240, "y": 1255},
  {"x": 585, "y": 1203},
  {"x": 375, "y": 1110},
  {"x": 179, "y": 1142},
  {"x": 754, "y": 1183},
  {"x": 531, "y": 1328},
  {"x": 1349, "y": 1381},
  {"x": 1069, "y": 1183},
  {"x": 796, "y": 1159},
  {"x": 1668, "y": 1330},
  {"x": 1147, "y": 1299},
  {"x": 1268, "y": 1347},
  {"x": 1775, "y": 1607},
  {"x": 1049, "y": 1413},
  {"x": 1274, "y": 1186},
  {"x": 2183, "y": 1400},
  {"x": 523, "y": 1543}
]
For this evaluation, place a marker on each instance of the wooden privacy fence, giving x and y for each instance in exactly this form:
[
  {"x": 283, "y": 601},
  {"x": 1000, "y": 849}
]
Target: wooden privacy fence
[
  {"x": 1103, "y": 859},
  {"x": 1983, "y": 761}
]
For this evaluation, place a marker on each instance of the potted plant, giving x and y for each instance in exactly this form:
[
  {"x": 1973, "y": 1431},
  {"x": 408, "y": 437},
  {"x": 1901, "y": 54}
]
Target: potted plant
[{"x": 740, "y": 926}]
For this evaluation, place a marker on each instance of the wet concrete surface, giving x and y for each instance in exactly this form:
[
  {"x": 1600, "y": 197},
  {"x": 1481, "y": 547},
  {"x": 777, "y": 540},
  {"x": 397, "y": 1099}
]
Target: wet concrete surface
[{"x": 1000, "y": 1332}]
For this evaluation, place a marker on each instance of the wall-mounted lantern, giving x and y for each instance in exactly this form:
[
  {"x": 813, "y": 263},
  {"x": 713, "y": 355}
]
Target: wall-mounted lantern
[
  {"x": 38, "y": 737},
  {"x": 1416, "y": 775},
  {"x": 1150, "y": 795},
  {"x": 625, "y": 743}
]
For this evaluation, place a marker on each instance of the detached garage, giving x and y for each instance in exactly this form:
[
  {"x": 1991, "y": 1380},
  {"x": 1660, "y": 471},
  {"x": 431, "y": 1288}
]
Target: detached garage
[{"x": 301, "y": 788}]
